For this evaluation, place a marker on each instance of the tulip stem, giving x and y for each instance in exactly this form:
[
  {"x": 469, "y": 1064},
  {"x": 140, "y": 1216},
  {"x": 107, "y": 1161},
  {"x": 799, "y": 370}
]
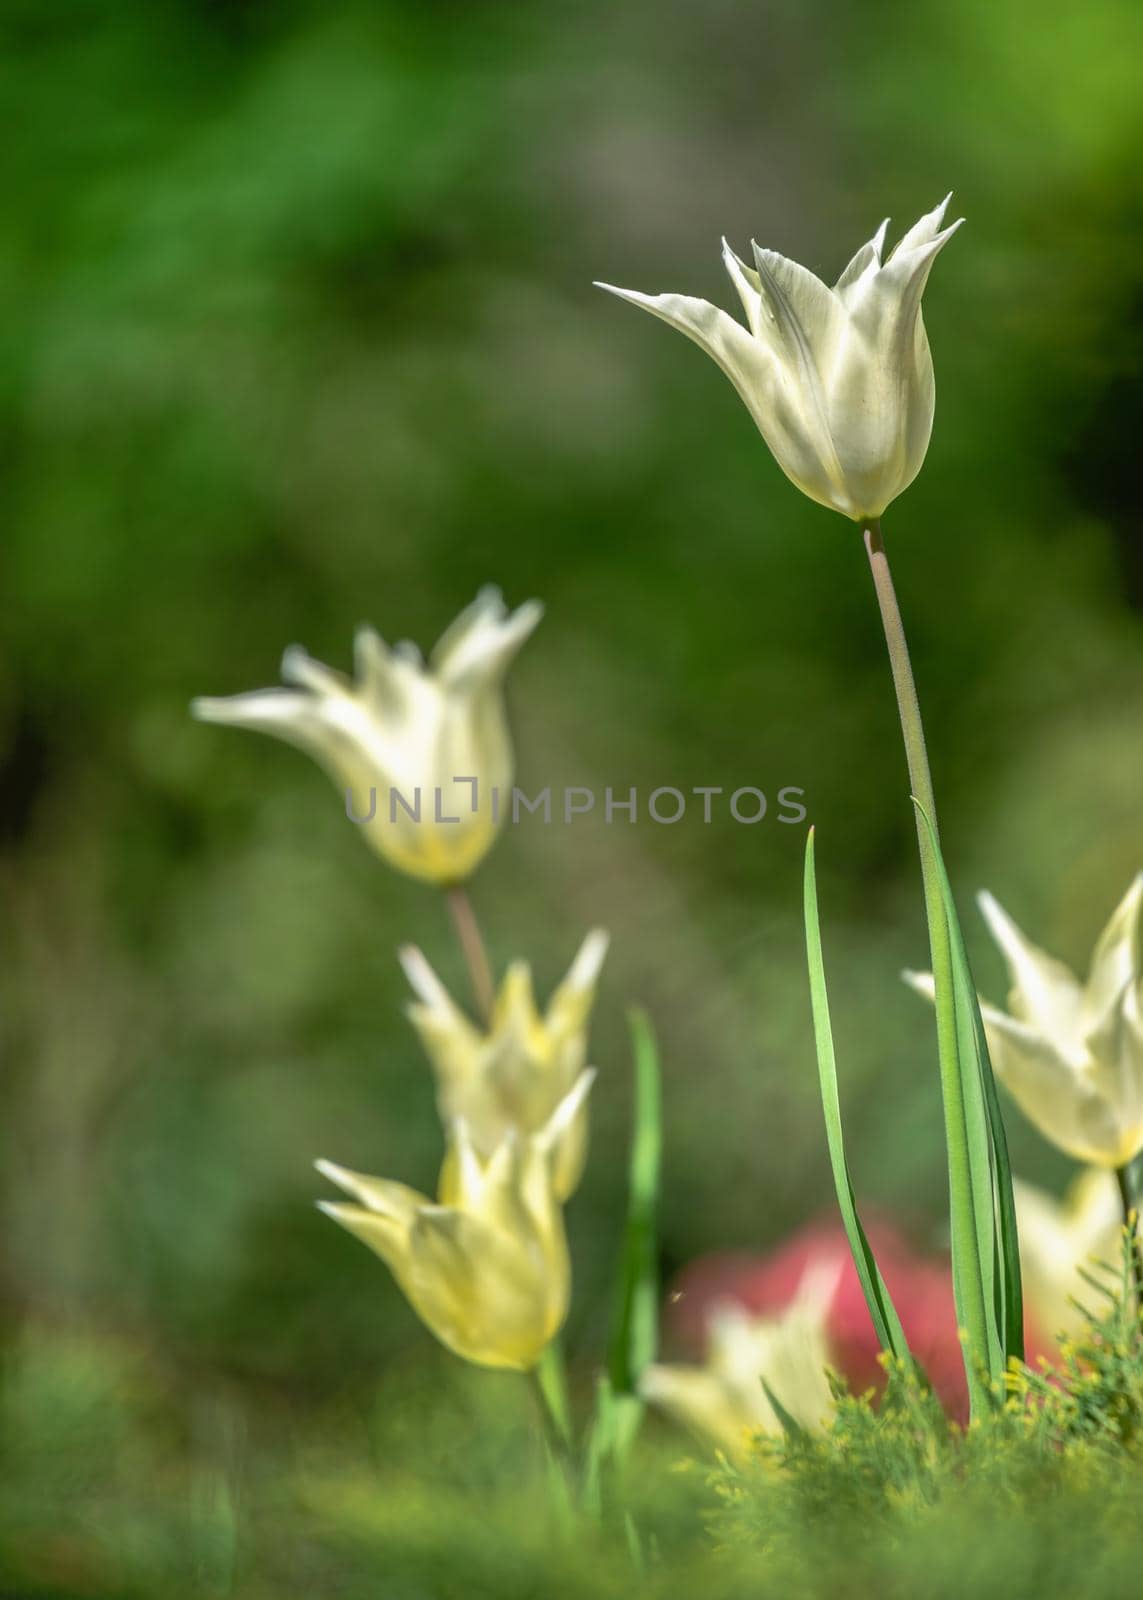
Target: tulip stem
[
  {"x": 555, "y": 1431},
  {"x": 971, "y": 1307},
  {"x": 916, "y": 751},
  {"x": 472, "y": 948},
  {"x": 1127, "y": 1199}
]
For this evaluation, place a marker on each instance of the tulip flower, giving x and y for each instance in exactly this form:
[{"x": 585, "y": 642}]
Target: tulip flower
[
  {"x": 726, "y": 1400},
  {"x": 1071, "y": 1054},
  {"x": 487, "y": 1272},
  {"x": 418, "y": 750},
  {"x": 1060, "y": 1238},
  {"x": 511, "y": 1075},
  {"x": 839, "y": 381},
  {"x": 766, "y": 1284}
]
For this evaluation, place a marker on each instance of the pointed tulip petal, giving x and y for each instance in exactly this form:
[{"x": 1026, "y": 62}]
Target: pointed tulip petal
[
  {"x": 1117, "y": 959},
  {"x": 725, "y": 340},
  {"x": 481, "y": 643},
  {"x": 923, "y": 231},
  {"x": 1045, "y": 992},
  {"x": 381, "y": 1195},
  {"x": 749, "y": 287},
  {"x": 806, "y": 312},
  {"x": 869, "y": 255}
]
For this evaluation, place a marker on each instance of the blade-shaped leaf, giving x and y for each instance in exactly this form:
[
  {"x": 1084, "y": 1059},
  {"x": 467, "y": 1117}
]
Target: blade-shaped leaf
[
  {"x": 1008, "y": 1237},
  {"x": 635, "y": 1335},
  {"x": 881, "y": 1308},
  {"x": 988, "y": 1144},
  {"x": 552, "y": 1378},
  {"x": 966, "y": 1142},
  {"x": 978, "y": 1134},
  {"x": 600, "y": 1447},
  {"x": 790, "y": 1425}
]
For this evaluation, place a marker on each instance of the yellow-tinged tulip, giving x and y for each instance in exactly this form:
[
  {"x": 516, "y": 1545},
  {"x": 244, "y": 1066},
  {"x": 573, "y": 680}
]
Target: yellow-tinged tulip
[
  {"x": 1071, "y": 1054},
  {"x": 512, "y": 1075},
  {"x": 487, "y": 1273},
  {"x": 839, "y": 381},
  {"x": 1058, "y": 1238},
  {"x": 726, "y": 1401},
  {"x": 418, "y": 750}
]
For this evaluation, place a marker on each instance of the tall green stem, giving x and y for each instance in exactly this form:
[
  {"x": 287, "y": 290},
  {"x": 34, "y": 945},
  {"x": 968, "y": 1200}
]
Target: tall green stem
[
  {"x": 969, "y": 1284},
  {"x": 472, "y": 948},
  {"x": 912, "y": 728}
]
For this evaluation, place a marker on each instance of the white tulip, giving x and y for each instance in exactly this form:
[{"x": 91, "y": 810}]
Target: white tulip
[
  {"x": 1069, "y": 1053},
  {"x": 1060, "y": 1240},
  {"x": 422, "y": 753},
  {"x": 839, "y": 381},
  {"x": 727, "y": 1400}
]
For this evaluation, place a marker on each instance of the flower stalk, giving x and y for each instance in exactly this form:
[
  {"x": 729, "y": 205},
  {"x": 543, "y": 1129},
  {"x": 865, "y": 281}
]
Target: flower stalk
[
  {"x": 968, "y": 1268},
  {"x": 472, "y": 948}
]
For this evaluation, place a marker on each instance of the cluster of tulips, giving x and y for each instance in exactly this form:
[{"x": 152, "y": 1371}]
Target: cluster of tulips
[{"x": 840, "y": 383}]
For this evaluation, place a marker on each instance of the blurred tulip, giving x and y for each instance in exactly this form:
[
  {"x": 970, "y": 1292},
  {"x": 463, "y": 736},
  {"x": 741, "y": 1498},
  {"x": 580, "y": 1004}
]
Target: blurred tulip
[
  {"x": 512, "y": 1074},
  {"x": 418, "y": 749},
  {"x": 921, "y": 1288},
  {"x": 1058, "y": 1238},
  {"x": 488, "y": 1272},
  {"x": 726, "y": 1400},
  {"x": 1071, "y": 1054},
  {"x": 839, "y": 381}
]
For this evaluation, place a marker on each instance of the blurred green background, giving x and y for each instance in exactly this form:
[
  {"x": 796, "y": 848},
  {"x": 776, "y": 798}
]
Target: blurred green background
[{"x": 299, "y": 332}]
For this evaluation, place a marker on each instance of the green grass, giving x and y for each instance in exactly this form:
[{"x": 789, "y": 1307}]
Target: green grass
[{"x": 432, "y": 1485}]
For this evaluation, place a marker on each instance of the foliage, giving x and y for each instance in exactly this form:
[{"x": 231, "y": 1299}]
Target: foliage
[
  {"x": 431, "y": 1484},
  {"x": 1058, "y": 1464}
]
